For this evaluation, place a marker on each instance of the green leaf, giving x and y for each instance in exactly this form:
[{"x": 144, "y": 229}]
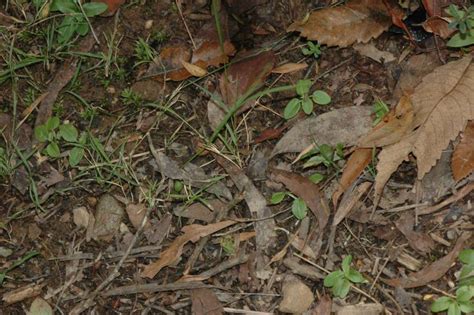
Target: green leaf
[
  {"x": 453, "y": 309},
  {"x": 94, "y": 8},
  {"x": 52, "y": 123},
  {"x": 355, "y": 276},
  {"x": 321, "y": 97},
  {"x": 41, "y": 133},
  {"x": 441, "y": 304},
  {"x": 68, "y": 132},
  {"x": 178, "y": 186},
  {"x": 314, "y": 161},
  {"x": 75, "y": 156},
  {"x": 341, "y": 288},
  {"x": 64, "y": 6},
  {"x": 299, "y": 208},
  {"x": 292, "y": 109},
  {"x": 326, "y": 151},
  {"x": 82, "y": 28},
  {"x": 53, "y": 150},
  {"x": 461, "y": 40},
  {"x": 303, "y": 86},
  {"x": 467, "y": 256},
  {"x": 466, "y": 307},
  {"x": 307, "y": 105},
  {"x": 464, "y": 293},
  {"x": 83, "y": 138},
  {"x": 316, "y": 177},
  {"x": 346, "y": 263},
  {"x": 66, "y": 29},
  {"x": 277, "y": 197},
  {"x": 331, "y": 278},
  {"x": 2, "y": 277}
]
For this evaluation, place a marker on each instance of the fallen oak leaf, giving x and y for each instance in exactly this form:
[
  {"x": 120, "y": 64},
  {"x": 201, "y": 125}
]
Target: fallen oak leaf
[
  {"x": 357, "y": 21},
  {"x": 172, "y": 254},
  {"x": 434, "y": 271},
  {"x": 462, "y": 161}
]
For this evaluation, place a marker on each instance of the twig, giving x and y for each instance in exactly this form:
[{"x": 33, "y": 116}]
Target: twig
[
  {"x": 458, "y": 195},
  {"x": 178, "y": 5},
  {"x": 155, "y": 287}
]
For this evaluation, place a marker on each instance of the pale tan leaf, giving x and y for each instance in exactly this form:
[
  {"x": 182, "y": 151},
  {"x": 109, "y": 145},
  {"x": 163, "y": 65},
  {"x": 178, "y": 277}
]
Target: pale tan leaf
[
  {"x": 369, "y": 50},
  {"x": 193, "y": 69},
  {"x": 442, "y": 103},
  {"x": 357, "y": 21},
  {"x": 348, "y": 204},
  {"x": 462, "y": 162},
  {"x": 290, "y": 67},
  {"x": 172, "y": 254}
]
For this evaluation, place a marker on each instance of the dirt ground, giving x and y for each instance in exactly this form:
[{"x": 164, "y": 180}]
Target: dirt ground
[{"x": 76, "y": 237}]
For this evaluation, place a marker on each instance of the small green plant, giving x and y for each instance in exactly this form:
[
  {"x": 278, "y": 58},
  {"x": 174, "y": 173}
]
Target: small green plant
[
  {"x": 463, "y": 301},
  {"x": 304, "y": 100},
  {"x": 380, "y": 110},
  {"x": 228, "y": 245},
  {"x": 298, "y": 206},
  {"x": 326, "y": 155},
  {"x": 143, "y": 52},
  {"x": 312, "y": 49},
  {"x": 76, "y": 17},
  {"x": 5, "y": 166},
  {"x": 16, "y": 264},
  {"x": 463, "y": 22},
  {"x": 340, "y": 281},
  {"x": 129, "y": 97},
  {"x": 52, "y": 133}
]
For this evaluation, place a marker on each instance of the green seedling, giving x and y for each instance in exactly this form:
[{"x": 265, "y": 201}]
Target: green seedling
[
  {"x": 228, "y": 245},
  {"x": 463, "y": 22},
  {"x": 340, "y": 281},
  {"x": 326, "y": 155},
  {"x": 463, "y": 301},
  {"x": 53, "y": 133},
  {"x": 304, "y": 100},
  {"x": 298, "y": 206},
  {"x": 380, "y": 110},
  {"x": 75, "y": 21},
  {"x": 311, "y": 49},
  {"x": 143, "y": 52},
  {"x": 129, "y": 97},
  {"x": 316, "y": 178},
  {"x": 16, "y": 264}
]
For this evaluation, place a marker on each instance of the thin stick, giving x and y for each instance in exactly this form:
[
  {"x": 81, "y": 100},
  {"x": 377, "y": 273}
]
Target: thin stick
[{"x": 178, "y": 5}]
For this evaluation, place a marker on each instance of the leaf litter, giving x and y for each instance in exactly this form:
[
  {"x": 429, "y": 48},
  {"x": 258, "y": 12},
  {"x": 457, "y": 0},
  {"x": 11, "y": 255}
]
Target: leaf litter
[{"x": 429, "y": 116}]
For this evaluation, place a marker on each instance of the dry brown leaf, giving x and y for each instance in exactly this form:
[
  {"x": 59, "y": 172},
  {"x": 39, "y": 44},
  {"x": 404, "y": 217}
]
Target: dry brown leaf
[
  {"x": 204, "y": 302},
  {"x": 369, "y": 50},
  {"x": 442, "y": 103},
  {"x": 434, "y": 271},
  {"x": 393, "y": 127},
  {"x": 462, "y": 162},
  {"x": 194, "y": 69},
  {"x": 354, "y": 167},
  {"x": 347, "y": 205},
  {"x": 357, "y": 21},
  {"x": 323, "y": 307},
  {"x": 172, "y": 254},
  {"x": 290, "y": 67},
  {"x": 306, "y": 190},
  {"x": 418, "y": 241},
  {"x": 438, "y": 26}
]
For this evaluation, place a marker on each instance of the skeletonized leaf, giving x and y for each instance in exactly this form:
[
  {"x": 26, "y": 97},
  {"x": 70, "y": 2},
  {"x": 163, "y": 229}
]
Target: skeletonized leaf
[
  {"x": 442, "y": 104},
  {"x": 462, "y": 162},
  {"x": 357, "y": 21}
]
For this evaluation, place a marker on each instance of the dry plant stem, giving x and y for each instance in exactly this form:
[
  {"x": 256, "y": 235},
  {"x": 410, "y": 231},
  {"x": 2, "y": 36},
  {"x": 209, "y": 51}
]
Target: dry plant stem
[
  {"x": 78, "y": 309},
  {"x": 202, "y": 242},
  {"x": 224, "y": 266},
  {"x": 247, "y": 312},
  {"x": 404, "y": 208},
  {"x": 178, "y": 5},
  {"x": 458, "y": 195},
  {"x": 155, "y": 287}
]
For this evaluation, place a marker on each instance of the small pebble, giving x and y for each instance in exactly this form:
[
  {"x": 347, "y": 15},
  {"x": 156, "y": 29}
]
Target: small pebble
[{"x": 148, "y": 24}]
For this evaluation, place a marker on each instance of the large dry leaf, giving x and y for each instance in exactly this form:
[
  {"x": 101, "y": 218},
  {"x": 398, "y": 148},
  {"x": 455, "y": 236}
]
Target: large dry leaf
[
  {"x": 172, "y": 254},
  {"x": 306, "y": 190},
  {"x": 354, "y": 167},
  {"x": 462, "y": 162},
  {"x": 345, "y": 125},
  {"x": 432, "y": 272},
  {"x": 204, "y": 302},
  {"x": 442, "y": 104},
  {"x": 357, "y": 21}
]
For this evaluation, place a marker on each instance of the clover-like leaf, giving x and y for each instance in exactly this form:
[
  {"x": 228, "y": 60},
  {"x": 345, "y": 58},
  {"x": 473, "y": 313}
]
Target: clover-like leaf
[
  {"x": 330, "y": 279},
  {"x": 277, "y": 197},
  {"x": 68, "y": 132},
  {"x": 346, "y": 263},
  {"x": 354, "y": 276},
  {"x": 441, "y": 304},
  {"x": 321, "y": 97},
  {"x": 299, "y": 208},
  {"x": 75, "y": 156},
  {"x": 292, "y": 108},
  {"x": 307, "y": 105},
  {"x": 52, "y": 149},
  {"x": 303, "y": 86},
  {"x": 41, "y": 133},
  {"x": 52, "y": 123}
]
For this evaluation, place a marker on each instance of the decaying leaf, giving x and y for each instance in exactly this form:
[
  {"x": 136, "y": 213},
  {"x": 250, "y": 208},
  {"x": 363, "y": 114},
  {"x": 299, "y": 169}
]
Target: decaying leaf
[
  {"x": 355, "y": 165},
  {"x": 290, "y": 67},
  {"x": 462, "y": 162},
  {"x": 348, "y": 204},
  {"x": 204, "y": 302},
  {"x": 306, "y": 190},
  {"x": 442, "y": 104},
  {"x": 434, "y": 271},
  {"x": 345, "y": 125},
  {"x": 172, "y": 254},
  {"x": 418, "y": 241},
  {"x": 362, "y": 308},
  {"x": 357, "y": 21},
  {"x": 369, "y": 50},
  {"x": 40, "y": 307},
  {"x": 200, "y": 211},
  {"x": 438, "y": 26},
  {"x": 194, "y": 69}
]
